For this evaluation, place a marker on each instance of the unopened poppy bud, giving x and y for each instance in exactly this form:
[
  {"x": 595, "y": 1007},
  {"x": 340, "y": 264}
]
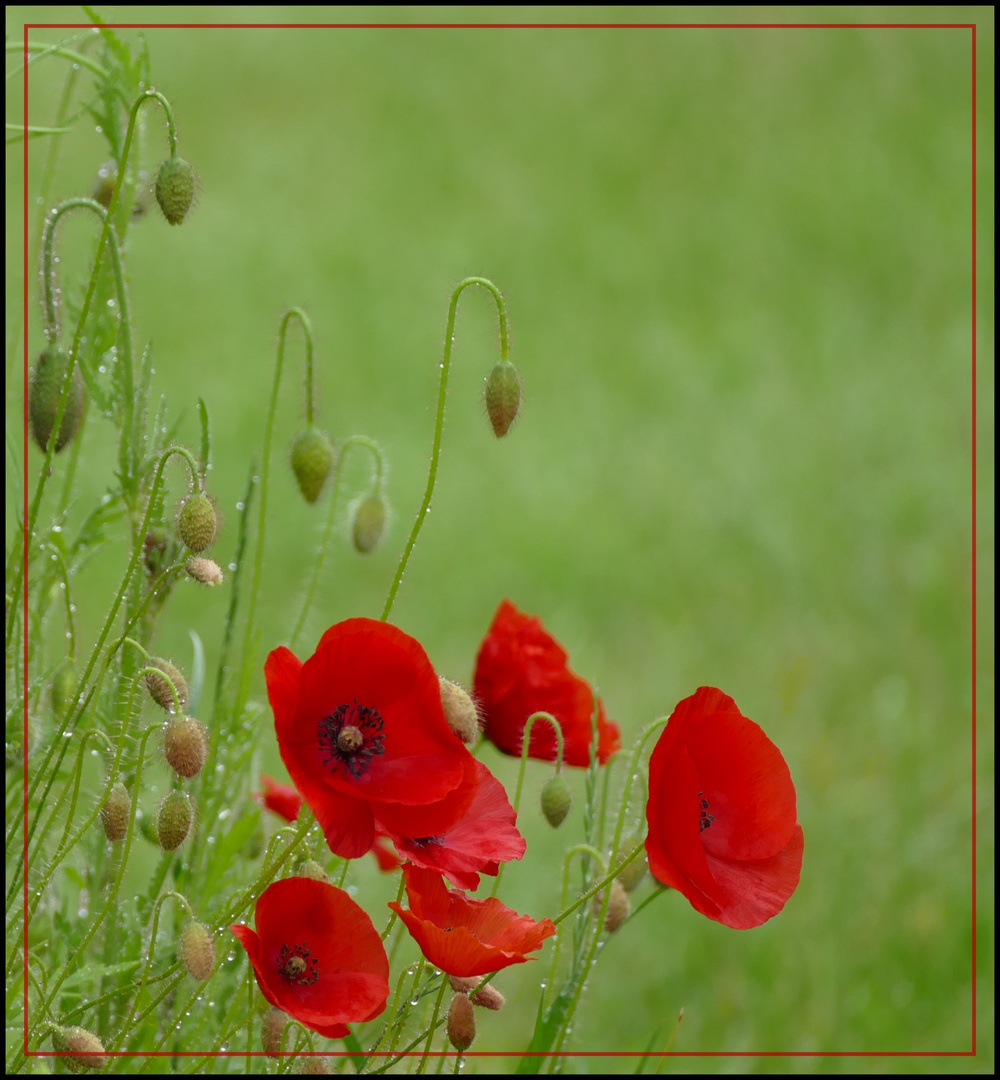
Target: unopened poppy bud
[
  {"x": 632, "y": 873},
  {"x": 196, "y": 950},
  {"x": 83, "y": 1048},
  {"x": 63, "y": 685},
  {"x": 369, "y": 521},
  {"x": 272, "y": 1027},
  {"x": 312, "y": 869},
  {"x": 462, "y": 985},
  {"x": 44, "y": 393},
  {"x": 207, "y": 571},
  {"x": 461, "y": 1022},
  {"x": 197, "y": 522},
  {"x": 316, "y": 1065},
  {"x": 618, "y": 906},
  {"x": 175, "y": 189},
  {"x": 159, "y": 687},
  {"x": 488, "y": 998},
  {"x": 174, "y": 818},
  {"x": 459, "y": 710},
  {"x": 503, "y": 396},
  {"x": 185, "y": 745},
  {"x": 313, "y": 456},
  {"x": 556, "y": 800},
  {"x": 115, "y": 813}
]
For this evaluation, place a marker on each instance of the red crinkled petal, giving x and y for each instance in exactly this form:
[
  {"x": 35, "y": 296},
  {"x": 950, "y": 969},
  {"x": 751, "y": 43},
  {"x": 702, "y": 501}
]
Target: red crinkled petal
[
  {"x": 485, "y": 837},
  {"x": 403, "y": 819}
]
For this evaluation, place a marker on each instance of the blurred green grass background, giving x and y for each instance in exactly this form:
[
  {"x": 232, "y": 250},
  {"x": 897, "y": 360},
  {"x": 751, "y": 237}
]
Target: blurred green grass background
[{"x": 738, "y": 270}]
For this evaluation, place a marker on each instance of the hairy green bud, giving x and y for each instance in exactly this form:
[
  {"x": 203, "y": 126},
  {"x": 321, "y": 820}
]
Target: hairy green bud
[
  {"x": 175, "y": 189},
  {"x": 312, "y": 456},
  {"x": 44, "y": 392},
  {"x": 197, "y": 522},
  {"x": 556, "y": 800},
  {"x": 503, "y": 396}
]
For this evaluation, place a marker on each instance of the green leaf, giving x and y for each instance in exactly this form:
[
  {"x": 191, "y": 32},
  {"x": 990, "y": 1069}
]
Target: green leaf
[
  {"x": 546, "y": 1030},
  {"x": 93, "y": 972}
]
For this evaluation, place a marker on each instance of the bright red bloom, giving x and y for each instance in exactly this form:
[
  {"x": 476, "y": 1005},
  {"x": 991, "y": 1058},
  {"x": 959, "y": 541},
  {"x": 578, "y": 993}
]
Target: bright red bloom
[
  {"x": 721, "y": 813},
  {"x": 521, "y": 669},
  {"x": 316, "y": 955},
  {"x": 281, "y": 799},
  {"x": 466, "y": 937},
  {"x": 484, "y": 838},
  {"x": 362, "y": 731}
]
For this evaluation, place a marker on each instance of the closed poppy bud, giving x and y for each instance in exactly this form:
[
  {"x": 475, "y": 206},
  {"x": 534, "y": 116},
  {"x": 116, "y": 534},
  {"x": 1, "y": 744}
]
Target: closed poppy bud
[
  {"x": 313, "y": 456},
  {"x": 369, "y": 522},
  {"x": 185, "y": 745},
  {"x": 174, "y": 818},
  {"x": 175, "y": 189},
  {"x": 159, "y": 687},
  {"x": 459, "y": 710},
  {"x": 272, "y": 1027},
  {"x": 556, "y": 800},
  {"x": 197, "y": 522},
  {"x": 207, "y": 571},
  {"x": 115, "y": 813},
  {"x": 44, "y": 393},
  {"x": 488, "y": 998},
  {"x": 196, "y": 950},
  {"x": 618, "y": 906},
  {"x": 632, "y": 874},
  {"x": 83, "y": 1049},
  {"x": 312, "y": 869},
  {"x": 503, "y": 396},
  {"x": 461, "y": 1022},
  {"x": 316, "y": 1065},
  {"x": 62, "y": 687}
]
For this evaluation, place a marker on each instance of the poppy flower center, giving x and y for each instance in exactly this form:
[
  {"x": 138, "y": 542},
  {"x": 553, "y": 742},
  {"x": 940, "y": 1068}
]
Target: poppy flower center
[
  {"x": 351, "y": 736},
  {"x": 297, "y": 965},
  {"x": 705, "y": 819}
]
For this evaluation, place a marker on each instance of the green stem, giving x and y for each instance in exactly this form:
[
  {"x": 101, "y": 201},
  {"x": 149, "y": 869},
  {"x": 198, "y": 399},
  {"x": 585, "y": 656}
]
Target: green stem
[
  {"x": 60, "y": 50},
  {"x": 439, "y": 422},
  {"x": 373, "y": 448}
]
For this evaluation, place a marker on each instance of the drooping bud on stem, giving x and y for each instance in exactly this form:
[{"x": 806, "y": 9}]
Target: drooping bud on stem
[
  {"x": 503, "y": 396},
  {"x": 369, "y": 521},
  {"x": 174, "y": 818},
  {"x": 313, "y": 457},
  {"x": 44, "y": 393},
  {"x": 175, "y": 188},
  {"x": 185, "y": 745},
  {"x": 459, "y": 710},
  {"x": 311, "y": 869},
  {"x": 197, "y": 522},
  {"x": 196, "y": 950},
  {"x": 272, "y": 1027},
  {"x": 556, "y": 800},
  {"x": 115, "y": 812},
  {"x": 159, "y": 687},
  {"x": 207, "y": 571},
  {"x": 83, "y": 1048},
  {"x": 618, "y": 906},
  {"x": 461, "y": 1022}
]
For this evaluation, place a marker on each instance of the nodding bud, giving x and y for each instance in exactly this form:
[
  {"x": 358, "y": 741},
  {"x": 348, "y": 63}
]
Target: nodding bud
[
  {"x": 185, "y": 745},
  {"x": 174, "y": 818},
  {"x": 618, "y": 906},
  {"x": 503, "y": 396},
  {"x": 272, "y": 1027},
  {"x": 369, "y": 522},
  {"x": 115, "y": 813},
  {"x": 197, "y": 522},
  {"x": 175, "y": 189},
  {"x": 319, "y": 1065},
  {"x": 313, "y": 456},
  {"x": 83, "y": 1048},
  {"x": 311, "y": 869},
  {"x": 631, "y": 876},
  {"x": 207, "y": 571},
  {"x": 196, "y": 950},
  {"x": 461, "y": 1022},
  {"x": 459, "y": 710},
  {"x": 63, "y": 684},
  {"x": 556, "y": 800},
  {"x": 159, "y": 685},
  {"x": 489, "y": 997},
  {"x": 44, "y": 393}
]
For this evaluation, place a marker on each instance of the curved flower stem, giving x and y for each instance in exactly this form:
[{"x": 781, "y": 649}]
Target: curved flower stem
[
  {"x": 373, "y": 448},
  {"x": 525, "y": 747},
  {"x": 265, "y": 472},
  {"x": 439, "y": 422}
]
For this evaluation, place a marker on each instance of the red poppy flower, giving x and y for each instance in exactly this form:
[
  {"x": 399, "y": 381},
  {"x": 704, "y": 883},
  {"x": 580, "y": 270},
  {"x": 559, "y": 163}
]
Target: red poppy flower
[
  {"x": 484, "y": 838},
  {"x": 361, "y": 730},
  {"x": 281, "y": 799},
  {"x": 521, "y": 669},
  {"x": 316, "y": 955},
  {"x": 721, "y": 813},
  {"x": 466, "y": 937}
]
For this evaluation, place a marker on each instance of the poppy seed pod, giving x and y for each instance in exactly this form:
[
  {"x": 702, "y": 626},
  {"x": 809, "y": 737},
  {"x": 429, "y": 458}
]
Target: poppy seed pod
[
  {"x": 174, "y": 818},
  {"x": 196, "y": 950},
  {"x": 159, "y": 687},
  {"x": 83, "y": 1049},
  {"x": 44, "y": 392},
  {"x": 461, "y": 1022},
  {"x": 175, "y": 189},
  {"x": 556, "y": 800},
  {"x": 185, "y": 745},
  {"x": 503, "y": 396},
  {"x": 312, "y": 457},
  {"x": 197, "y": 522},
  {"x": 369, "y": 522}
]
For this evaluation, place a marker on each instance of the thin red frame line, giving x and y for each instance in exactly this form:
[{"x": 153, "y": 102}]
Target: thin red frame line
[{"x": 540, "y": 26}]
